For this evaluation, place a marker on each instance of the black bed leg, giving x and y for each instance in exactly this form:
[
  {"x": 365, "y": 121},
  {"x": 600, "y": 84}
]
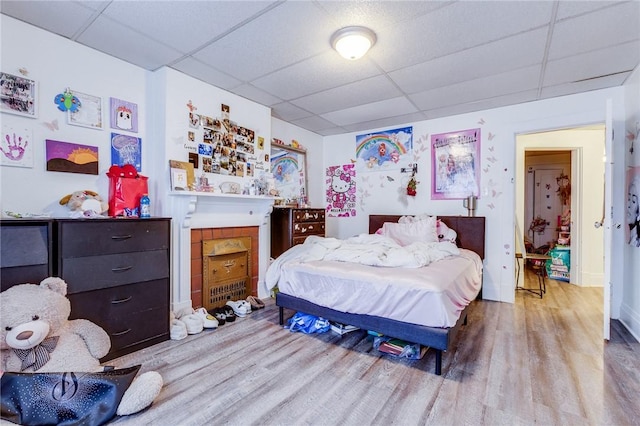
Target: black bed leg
[
  {"x": 281, "y": 315},
  {"x": 438, "y": 362}
]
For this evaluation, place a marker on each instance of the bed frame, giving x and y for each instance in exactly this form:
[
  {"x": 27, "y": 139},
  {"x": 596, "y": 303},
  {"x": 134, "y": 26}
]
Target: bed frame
[{"x": 470, "y": 232}]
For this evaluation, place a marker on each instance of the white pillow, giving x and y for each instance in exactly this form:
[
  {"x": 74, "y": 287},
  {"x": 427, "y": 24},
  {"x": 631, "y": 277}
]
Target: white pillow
[
  {"x": 445, "y": 233},
  {"x": 416, "y": 218},
  {"x": 407, "y": 233}
]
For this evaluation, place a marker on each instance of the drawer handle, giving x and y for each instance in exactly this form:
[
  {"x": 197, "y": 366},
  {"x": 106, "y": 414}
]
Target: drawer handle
[
  {"x": 121, "y": 332},
  {"x": 121, "y": 269},
  {"x": 126, "y": 299},
  {"x": 121, "y": 237}
]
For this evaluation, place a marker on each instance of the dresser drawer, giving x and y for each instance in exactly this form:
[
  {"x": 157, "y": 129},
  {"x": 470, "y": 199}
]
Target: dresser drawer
[
  {"x": 24, "y": 245},
  {"x": 97, "y": 272},
  {"x": 308, "y": 215},
  {"x": 129, "y": 314},
  {"x": 226, "y": 267},
  {"x": 308, "y": 228},
  {"x": 88, "y": 238}
]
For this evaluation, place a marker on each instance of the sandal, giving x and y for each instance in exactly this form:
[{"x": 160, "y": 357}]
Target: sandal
[{"x": 255, "y": 302}]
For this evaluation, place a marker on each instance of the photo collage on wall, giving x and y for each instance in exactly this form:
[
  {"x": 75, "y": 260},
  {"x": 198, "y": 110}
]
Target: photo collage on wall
[{"x": 221, "y": 146}]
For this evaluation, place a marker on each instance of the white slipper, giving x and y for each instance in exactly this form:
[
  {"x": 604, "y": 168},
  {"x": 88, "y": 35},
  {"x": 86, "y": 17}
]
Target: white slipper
[
  {"x": 238, "y": 308},
  {"x": 178, "y": 330},
  {"x": 208, "y": 321},
  {"x": 193, "y": 322}
]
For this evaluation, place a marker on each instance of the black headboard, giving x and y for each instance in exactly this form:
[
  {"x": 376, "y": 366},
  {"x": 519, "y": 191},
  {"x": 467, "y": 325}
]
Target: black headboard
[{"x": 470, "y": 230}]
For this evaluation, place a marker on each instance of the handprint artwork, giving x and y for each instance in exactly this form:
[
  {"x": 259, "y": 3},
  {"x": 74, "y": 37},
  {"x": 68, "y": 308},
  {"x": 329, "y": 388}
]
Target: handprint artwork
[{"x": 15, "y": 148}]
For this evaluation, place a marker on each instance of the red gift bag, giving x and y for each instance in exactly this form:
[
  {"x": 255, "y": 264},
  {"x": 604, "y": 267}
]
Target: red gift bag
[{"x": 125, "y": 190}]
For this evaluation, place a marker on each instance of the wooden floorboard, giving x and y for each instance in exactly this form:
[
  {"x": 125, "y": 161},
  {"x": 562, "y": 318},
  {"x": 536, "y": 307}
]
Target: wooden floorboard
[{"x": 535, "y": 361}]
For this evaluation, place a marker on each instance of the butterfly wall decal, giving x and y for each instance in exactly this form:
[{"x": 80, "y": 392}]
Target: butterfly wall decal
[
  {"x": 53, "y": 125},
  {"x": 481, "y": 121}
]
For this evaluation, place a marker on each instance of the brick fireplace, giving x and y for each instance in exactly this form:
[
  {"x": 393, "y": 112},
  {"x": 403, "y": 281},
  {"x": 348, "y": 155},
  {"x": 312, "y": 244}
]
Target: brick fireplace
[
  {"x": 220, "y": 234},
  {"x": 197, "y": 217}
]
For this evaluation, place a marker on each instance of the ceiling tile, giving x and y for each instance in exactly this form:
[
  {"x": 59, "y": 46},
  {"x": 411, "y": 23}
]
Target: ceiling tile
[
  {"x": 316, "y": 74},
  {"x": 569, "y": 9},
  {"x": 203, "y": 20},
  {"x": 483, "y": 104},
  {"x": 396, "y": 121},
  {"x": 454, "y": 28},
  {"x": 205, "y": 73},
  {"x": 364, "y": 91},
  {"x": 608, "y": 27},
  {"x": 256, "y": 95},
  {"x": 287, "y": 111},
  {"x": 374, "y": 110},
  {"x": 592, "y": 64},
  {"x": 63, "y": 18},
  {"x": 507, "y": 54},
  {"x": 313, "y": 123},
  {"x": 264, "y": 41},
  {"x": 583, "y": 86},
  {"x": 482, "y": 88},
  {"x": 124, "y": 43}
]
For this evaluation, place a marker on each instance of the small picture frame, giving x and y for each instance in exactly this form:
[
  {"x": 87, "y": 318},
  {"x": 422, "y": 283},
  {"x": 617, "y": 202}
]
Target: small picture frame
[
  {"x": 124, "y": 115},
  {"x": 179, "y": 180},
  {"x": 18, "y": 95},
  {"x": 89, "y": 114}
]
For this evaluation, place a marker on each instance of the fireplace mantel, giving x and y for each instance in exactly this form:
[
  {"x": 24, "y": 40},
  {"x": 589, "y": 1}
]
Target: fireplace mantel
[{"x": 195, "y": 210}]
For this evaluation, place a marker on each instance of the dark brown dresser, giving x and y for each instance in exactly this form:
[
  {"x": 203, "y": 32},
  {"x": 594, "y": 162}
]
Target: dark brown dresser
[
  {"x": 26, "y": 252},
  {"x": 291, "y": 226},
  {"x": 117, "y": 272}
]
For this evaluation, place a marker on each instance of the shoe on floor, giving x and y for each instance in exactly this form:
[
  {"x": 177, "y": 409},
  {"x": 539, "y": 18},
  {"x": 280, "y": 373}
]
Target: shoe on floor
[
  {"x": 193, "y": 322},
  {"x": 208, "y": 321},
  {"x": 219, "y": 314},
  {"x": 247, "y": 305},
  {"x": 230, "y": 315},
  {"x": 238, "y": 309},
  {"x": 178, "y": 330},
  {"x": 255, "y": 303}
]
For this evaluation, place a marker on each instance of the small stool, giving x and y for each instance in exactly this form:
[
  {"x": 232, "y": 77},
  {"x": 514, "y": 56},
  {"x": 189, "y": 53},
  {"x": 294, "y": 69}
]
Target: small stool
[{"x": 538, "y": 266}]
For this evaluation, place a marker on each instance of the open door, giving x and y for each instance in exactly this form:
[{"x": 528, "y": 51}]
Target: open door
[{"x": 607, "y": 219}]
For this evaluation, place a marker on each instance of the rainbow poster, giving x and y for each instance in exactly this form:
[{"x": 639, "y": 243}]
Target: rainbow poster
[
  {"x": 287, "y": 174},
  {"x": 384, "y": 150}
]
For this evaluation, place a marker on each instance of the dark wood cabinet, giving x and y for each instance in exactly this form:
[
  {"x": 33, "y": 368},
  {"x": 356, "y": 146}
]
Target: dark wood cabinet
[
  {"x": 26, "y": 253},
  {"x": 291, "y": 226},
  {"x": 116, "y": 270},
  {"x": 117, "y": 273}
]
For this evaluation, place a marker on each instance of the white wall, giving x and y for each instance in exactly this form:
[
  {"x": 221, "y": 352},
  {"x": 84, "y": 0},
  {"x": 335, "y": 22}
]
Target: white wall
[
  {"x": 57, "y": 63},
  {"x": 630, "y": 298},
  {"x": 499, "y": 128}
]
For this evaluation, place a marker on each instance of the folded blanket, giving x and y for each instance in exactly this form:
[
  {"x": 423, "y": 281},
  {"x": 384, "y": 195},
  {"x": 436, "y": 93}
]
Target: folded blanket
[{"x": 365, "y": 249}]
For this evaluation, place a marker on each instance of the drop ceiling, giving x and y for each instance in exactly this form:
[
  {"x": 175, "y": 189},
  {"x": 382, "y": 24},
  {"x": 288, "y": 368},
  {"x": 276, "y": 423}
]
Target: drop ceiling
[{"x": 431, "y": 59}]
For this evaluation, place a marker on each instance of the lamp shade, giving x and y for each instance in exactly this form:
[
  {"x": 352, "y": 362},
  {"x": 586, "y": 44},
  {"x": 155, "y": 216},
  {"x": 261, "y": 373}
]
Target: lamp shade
[{"x": 353, "y": 42}]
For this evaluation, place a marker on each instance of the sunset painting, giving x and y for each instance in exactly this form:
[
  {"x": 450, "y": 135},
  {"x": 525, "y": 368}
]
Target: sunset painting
[{"x": 71, "y": 157}]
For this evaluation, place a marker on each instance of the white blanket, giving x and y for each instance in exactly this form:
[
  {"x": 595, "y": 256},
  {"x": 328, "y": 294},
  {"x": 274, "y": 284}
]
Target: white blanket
[{"x": 364, "y": 249}]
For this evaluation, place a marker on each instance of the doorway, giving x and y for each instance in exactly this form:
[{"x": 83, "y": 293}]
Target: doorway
[{"x": 586, "y": 147}]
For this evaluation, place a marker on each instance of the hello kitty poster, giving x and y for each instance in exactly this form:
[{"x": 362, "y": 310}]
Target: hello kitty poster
[{"x": 341, "y": 190}]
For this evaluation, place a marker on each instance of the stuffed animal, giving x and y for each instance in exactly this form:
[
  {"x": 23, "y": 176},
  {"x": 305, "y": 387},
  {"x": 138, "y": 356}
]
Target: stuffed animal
[
  {"x": 38, "y": 337},
  {"x": 84, "y": 204}
]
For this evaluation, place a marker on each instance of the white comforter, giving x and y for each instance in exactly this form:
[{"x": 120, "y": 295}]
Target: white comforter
[{"x": 364, "y": 249}]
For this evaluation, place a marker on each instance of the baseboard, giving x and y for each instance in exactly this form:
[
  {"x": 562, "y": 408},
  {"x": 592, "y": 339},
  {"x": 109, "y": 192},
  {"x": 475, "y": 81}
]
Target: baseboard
[{"x": 631, "y": 320}]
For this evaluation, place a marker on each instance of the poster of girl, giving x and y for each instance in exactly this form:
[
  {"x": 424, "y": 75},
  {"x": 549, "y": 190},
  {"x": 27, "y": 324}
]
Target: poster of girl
[{"x": 633, "y": 206}]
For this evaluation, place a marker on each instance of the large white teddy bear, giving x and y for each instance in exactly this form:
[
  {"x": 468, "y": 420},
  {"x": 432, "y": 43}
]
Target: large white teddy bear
[{"x": 37, "y": 336}]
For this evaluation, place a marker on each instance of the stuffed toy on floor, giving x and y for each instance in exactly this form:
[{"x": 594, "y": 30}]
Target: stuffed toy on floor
[{"x": 37, "y": 337}]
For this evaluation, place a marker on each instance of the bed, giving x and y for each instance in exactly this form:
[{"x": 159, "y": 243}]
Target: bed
[{"x": 470, "y": 236}]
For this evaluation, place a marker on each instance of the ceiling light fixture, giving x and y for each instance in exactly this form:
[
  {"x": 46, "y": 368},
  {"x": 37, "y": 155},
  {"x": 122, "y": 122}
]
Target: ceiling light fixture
[{"x": 353, "y": 42}]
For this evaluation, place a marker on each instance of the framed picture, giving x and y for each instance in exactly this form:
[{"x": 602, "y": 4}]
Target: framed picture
[
  {"x": 126, "y": 149},
  {"x": 71, "y": 157},
  {"x": 16, "y": 147},
  {"x": 18, "y": 95},
  {"x": 632, "y": 230},
  {"x": 124, "y": 115},
  {"x": 455, "y": 165},
  {"x": 179, "y": 180},
  {"x": 89, "y": 114}
]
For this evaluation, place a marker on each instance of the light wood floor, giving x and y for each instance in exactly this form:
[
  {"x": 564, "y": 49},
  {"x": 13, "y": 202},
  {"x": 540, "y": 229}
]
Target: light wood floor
[{"x": 536, "y": 361}]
